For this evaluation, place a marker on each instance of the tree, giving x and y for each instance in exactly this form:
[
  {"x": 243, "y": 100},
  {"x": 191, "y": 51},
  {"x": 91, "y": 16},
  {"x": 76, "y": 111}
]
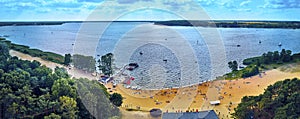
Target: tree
[
  {"x": 282, "y": 55},
  {"x": 253, "y": 71},
  {"x": 86, "y": 63},
  {"x": 61, "y": 72},
  {"x": 276, "y": 56},
  {"x": 52, "y": 116},
  {"x": 105, "y": 64},
  {"x": 4, "y": 51},
  {"x": 269, "y": 58},
  {"x": 63, "y": 87},
  {"x": 68, "y": 107},
  {"x": 233, "y": 65},
  {"x": 288, "y": 56},
  {"x": 28, "y": 90},
  {"x": 279, "y": 101},
  {"x": 67, "y": 60},
  {"x": 95, "y": 99},
  {"x": 116, "y": 99},
  {"x": 13, "y": 110},
  {"x": 34, "y": 64}
]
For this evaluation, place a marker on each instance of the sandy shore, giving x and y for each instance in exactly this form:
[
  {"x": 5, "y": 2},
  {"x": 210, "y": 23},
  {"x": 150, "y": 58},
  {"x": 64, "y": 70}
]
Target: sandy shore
[
  {"x": 191, "y": 98},
  {"x": 23, "y": 56},
  {"x": 73, "y": 71},
  {"x": 197, "y": 97}
]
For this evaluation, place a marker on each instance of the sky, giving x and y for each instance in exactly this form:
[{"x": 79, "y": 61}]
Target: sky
[{"x": 87, "y": 10}]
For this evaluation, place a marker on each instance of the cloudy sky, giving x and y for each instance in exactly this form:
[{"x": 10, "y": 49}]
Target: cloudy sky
[{"x": 80, "y": 10}]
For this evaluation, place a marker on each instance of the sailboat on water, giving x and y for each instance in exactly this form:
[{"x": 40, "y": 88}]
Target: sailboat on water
[{"x": 279, "y": 44}]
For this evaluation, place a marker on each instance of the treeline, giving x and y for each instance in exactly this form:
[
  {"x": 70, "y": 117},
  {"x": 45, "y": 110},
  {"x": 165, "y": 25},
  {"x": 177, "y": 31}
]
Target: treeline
[
  {"x": 279, "y": 101},
  {"x": 29, "y": 23},
  {"x": 29, "y": 90},
  {"x": 266, "y": 61},
  {"x": 49, "y": 56},
  {"x": 88, "y": 63},
  {"x": 232, "y": 24},
  {"x": 275, "y": 57}
]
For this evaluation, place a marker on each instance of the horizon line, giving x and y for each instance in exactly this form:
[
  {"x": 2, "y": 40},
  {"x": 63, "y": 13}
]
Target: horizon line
[{"x": 143, "y": 20}]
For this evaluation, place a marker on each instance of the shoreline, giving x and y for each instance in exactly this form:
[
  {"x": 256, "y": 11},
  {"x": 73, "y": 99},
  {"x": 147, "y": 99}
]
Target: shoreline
[
  {"x": 169, "y": 99},
  {"x": 232, "y": 24},
  {"x": 73, "y": 71}
]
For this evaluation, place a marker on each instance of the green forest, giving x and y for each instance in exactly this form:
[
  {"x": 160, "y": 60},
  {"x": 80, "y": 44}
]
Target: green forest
[
  {"x": 29, "y": 90},
  {"x": 267, "y": 61},
  {"x": 279, "y": 101}
]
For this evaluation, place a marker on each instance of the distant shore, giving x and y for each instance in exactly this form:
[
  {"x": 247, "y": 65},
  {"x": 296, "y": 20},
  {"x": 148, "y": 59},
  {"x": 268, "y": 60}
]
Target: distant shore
[
  {"x": 232, "y": 23},
  {"x": 37, "y": 23},
  {"x": 197, "y": 23}
]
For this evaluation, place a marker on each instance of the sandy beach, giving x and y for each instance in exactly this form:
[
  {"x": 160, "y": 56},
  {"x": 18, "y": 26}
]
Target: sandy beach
[
  {"x": 197, "y": 97},
  {"x": 191, "y": 98}
]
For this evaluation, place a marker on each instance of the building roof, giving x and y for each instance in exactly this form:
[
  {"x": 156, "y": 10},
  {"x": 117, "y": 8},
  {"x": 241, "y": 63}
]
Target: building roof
[{"x": 209, "y": 114}]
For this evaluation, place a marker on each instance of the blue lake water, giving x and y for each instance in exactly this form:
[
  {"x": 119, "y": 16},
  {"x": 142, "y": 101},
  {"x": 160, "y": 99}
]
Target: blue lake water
[{"x": 59, "y": 39}]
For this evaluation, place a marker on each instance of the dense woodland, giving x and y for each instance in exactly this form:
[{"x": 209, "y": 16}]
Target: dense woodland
[
  {"x": 29, "y": 90},
  {"x": 279, "y": 101},
  {"x": 276, "y": 57}
]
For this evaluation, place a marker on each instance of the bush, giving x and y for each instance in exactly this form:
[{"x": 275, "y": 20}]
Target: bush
[
  {"x": 116, "y": 99},
  {"x": 250, "y": 72}
]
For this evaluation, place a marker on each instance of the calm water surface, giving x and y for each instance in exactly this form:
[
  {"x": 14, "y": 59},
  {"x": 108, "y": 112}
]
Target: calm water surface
[{"x": 59, "y": 39}]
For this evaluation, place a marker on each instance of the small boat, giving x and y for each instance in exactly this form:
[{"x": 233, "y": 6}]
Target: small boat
[
  {"x": 280, "y": 44},
  {"x": 135, "y": 65},
  {"x": 130, "y": 68},
  {"x": 259, "y": 42},
  {"x": 165, "y": 60},
  {"x": 238, "y": 45}
]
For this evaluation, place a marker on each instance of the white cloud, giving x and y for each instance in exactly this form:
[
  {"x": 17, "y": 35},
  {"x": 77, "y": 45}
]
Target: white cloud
[
  {"x": 282, "y": 4},
  {"x": 245, "y": 3}
]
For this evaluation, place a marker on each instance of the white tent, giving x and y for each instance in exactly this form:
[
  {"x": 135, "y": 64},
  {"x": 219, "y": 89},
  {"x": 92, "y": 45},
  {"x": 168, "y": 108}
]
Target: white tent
[{"x": 216, "y": 102}]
